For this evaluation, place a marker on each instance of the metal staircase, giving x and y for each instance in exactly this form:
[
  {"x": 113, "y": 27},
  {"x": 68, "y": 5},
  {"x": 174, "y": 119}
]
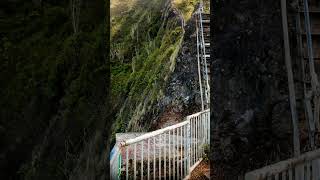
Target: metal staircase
[
  {"x": 171, "y": 152},
  {"x": 308, "y": 38},
  {"x": 203, "y": 54},
  {"x": 303, "y": 166}
]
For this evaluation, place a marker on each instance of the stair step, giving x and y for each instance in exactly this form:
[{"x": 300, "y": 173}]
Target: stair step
[
  {"x": 206, "y": 44},
  {"x": 207, "y": 56},
  {"x": 202, "y": 67},
  {"x": 205, "y": 17},
  {"x": 205, "y": 21},
  {"x": 206, "y": 14},
  {"x": 207, "y": 71},
  {"x": 316, "y": 59},
  {"x": 316, "y": 11},
  {"x": 313, "y": 33}
]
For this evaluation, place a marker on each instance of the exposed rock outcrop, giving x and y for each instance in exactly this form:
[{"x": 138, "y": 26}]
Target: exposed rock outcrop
[
  {"x": 181, "y": 94},
  {"x": 249, "y": 98}
]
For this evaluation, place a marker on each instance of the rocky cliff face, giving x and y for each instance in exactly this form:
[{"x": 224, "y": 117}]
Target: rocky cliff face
[
  {"x": 160, "y": 86},
  {"x": 181, "y": 92},
  {"x": 250, "y": 108}
]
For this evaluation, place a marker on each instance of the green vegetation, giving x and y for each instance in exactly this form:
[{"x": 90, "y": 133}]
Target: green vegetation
[
  {"x": 186, "y": 7},
  {"x": 206, "y": 6},
  {"x": 132, "y": 39},
  {"x": 145, "y": 42},
  {"x": 206, "y": 150}
]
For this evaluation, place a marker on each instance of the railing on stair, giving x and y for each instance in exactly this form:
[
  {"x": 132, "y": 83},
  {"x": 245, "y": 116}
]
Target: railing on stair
[
  {"x": 303, "y": 167},
  {"x": 203, "y": 54},
  {"x": 168, "y": 153},
  {"x": 172, "y": 152}
]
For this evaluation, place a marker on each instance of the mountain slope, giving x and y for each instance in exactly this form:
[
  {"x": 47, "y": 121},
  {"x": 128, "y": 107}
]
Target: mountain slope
[
  {"x": 147, "y": 38},
  {"x": 54, "y": 87}
]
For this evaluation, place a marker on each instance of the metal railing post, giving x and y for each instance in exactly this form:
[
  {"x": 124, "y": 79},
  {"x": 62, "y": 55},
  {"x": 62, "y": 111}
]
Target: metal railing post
[
  {"x": 209, "y": 126},
  {"x": 135, "y": 162},
  {"x": 189, "y": 144},
  {"x": 174, "y": 153},
  {"x": 159, "y": 156},
  {"x": 164, "y": 155},
  {"x": 197, "y": 133},
  {"x": 148, "y": 159},
  {"x": 154, "y": 157},
  {"x": 185, "y": 150},
  {"x": 194, "y": 141},
  {"x": 169, "y": 155},
  {"x": 178, "y": 177},
  {"x": 141, "y": 164},
  {"x": 127, "y": 163},
  {"x": 181, "y": 130}
]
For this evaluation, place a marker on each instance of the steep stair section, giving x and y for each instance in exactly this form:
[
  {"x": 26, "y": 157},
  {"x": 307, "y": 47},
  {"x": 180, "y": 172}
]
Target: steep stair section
[{"x": 203, "y": 55}]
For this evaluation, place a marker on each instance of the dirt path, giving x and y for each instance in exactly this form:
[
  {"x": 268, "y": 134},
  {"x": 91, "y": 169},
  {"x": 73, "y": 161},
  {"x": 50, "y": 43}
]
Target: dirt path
[{"x": 201, "y": 172}]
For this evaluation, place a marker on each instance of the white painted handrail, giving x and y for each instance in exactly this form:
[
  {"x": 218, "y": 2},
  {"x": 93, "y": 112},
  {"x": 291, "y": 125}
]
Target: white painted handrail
[
  {"x": 171, "y": 152},
  {"x": 152, "y": 134},
  {"x": 303, "y": 167},
  {"x": 199, "y": 67}
]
